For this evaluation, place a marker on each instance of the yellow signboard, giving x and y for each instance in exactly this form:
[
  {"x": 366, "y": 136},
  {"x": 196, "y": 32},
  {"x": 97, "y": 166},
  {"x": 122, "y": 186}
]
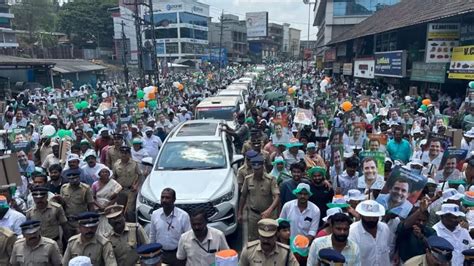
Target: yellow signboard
[{"x": 462, "y": 63}]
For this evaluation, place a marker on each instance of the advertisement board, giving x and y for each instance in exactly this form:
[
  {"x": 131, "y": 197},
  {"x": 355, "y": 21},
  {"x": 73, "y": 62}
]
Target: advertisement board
[
  {"x": 336, "y": 68},
  {"x": 257, "y": 24},
  {"x": 391, "y": 64},
  {"x": 364, "y": 68},
  {"x": 347, "y": 69},
  {"x": 441, "y": 38},
  {"x": 330, "y": 55},
  {"x": 462, "y": 63},
  {"x": 434, "y": 72}
]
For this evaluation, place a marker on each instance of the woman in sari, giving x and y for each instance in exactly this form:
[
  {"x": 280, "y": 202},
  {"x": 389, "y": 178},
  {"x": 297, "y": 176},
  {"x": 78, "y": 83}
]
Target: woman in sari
[{"x": 105, "y": 189}]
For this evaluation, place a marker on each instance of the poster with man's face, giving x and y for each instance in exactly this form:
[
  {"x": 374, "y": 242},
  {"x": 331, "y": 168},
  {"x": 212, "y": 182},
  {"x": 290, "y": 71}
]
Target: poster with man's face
[{"x": 401, "y": 191}]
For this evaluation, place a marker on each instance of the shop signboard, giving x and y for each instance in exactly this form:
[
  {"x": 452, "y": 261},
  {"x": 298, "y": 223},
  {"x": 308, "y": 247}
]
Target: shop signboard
[
  {"x": 336, "y": 68},
  {"x": 441, "y": 39},
  {"x": 435, "y": 72},
  {"x": 467, "y": 33},
  {"x": 364, "y": 68},
  {"x": 319, "y": 62},
  {"x": 330, "y": 55},
  {"x": 462, "y": 63},
  {"x": 391, "y": 64},
  {"x": 347, "y": 69}
]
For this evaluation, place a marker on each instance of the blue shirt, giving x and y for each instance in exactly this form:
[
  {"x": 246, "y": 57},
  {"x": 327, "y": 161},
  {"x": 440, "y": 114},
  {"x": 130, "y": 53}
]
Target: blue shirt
[{"x": 399, "y": 150}]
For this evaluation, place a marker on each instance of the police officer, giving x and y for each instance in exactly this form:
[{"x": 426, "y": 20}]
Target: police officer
[
  {"x": 150, "y": 254},
  {"x": 33, "y": 249},
  {"x": 7, "y": 239},
  {"x": 246, "y": 169},
  {"x": 127, "y": 174},
  {"x": 78, "y": 199},
  {"x": 267, "y": 251},
  {"x": 439, "y": 251},
  {"x": 262, "y": 192},
  {"x": 468, "y": 257},
  {"x": 113, "y": 153},
  {"x": 329, "y": 256},
  {"x": 89, "y": 244},
  {"x": 49, "y": 213},
  {"x": 125, "y": 237}
]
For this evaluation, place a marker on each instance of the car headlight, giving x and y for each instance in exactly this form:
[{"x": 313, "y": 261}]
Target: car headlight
[
  {"x": 226, "y": 197},
  {"x": 146, "y": 201}
]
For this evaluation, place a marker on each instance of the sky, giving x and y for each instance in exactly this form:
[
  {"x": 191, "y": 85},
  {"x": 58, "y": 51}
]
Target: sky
[{"x": 294, "y": 12}]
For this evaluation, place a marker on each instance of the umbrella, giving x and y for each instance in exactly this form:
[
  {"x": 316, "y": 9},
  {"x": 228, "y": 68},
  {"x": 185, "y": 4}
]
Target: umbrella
[{"x": 275, "y": 96}]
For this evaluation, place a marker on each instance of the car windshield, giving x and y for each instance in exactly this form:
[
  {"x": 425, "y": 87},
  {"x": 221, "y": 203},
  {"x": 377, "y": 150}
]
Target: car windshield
[
  {"x": 223, "y": 113},
  {"x": 192, "y": 155}
]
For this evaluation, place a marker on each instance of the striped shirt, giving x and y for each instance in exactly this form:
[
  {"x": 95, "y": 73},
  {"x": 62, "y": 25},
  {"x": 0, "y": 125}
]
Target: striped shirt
[{"x": 350, "y": 252}]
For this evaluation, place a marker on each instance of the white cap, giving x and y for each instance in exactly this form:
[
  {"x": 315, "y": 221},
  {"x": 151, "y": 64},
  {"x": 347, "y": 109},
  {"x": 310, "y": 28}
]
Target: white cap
[
  {"x": 80, "y": 261},
  {"x": 370, "y": 208},
  {"x": 354, "y": 194},
  {"x": 310, "y": 145},
  {"x": 450, "y": 208},
  {"x": 451, "y": 194},
  {"x": 330, "y": 212},
  {"x": 72, "y": 157}
]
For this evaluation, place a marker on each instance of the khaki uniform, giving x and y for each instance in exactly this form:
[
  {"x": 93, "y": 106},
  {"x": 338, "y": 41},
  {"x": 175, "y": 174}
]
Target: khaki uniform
[
  {"x": 7, "y": 240},
  {"x": 243, "y": 171},
  {"x": 125, "y": 244},
  {"x": 99, "y": 250},
  {"x": 126, "y": 175},
  {"x": 113, "y": 155},
  {"x": 417, "y": 261},
  {"x": 45, "y": 253},
  {"x": 259, "y": 194},
  {"x": 52, "y": 217},
  {"x": 253, "y": 255},
  {"x": 77, "y": 200}
]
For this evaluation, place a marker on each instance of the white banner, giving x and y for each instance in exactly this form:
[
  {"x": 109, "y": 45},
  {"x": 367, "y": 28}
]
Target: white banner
[{"x": 257, "y": 24}]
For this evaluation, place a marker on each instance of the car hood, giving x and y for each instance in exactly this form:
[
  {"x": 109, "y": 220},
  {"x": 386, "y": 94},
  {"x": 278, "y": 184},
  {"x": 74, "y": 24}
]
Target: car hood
[{"x": 190, "y": 186}]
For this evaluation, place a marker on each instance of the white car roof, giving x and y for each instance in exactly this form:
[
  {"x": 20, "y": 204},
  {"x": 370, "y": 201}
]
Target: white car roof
[{"x": 218, "y": 101}]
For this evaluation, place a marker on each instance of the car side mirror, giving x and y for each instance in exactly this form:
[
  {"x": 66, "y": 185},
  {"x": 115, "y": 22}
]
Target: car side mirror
[{"x": 238, "y": 159}]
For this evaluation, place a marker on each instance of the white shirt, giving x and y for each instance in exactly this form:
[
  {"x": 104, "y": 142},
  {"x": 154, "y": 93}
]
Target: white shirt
[
  {"x": 152, "y": 145},
  {"x": 12, "y": 220},
  {"x": 373, "y": 251},
  {"x": 459, "y": 238},
  {"x": 301, "y": 223},
  {"x": 197, "y": 252},
  {"x": 167, "y": 230},
  {"x": 91, "y": 171},
  {"x": 137, "y": 156}
]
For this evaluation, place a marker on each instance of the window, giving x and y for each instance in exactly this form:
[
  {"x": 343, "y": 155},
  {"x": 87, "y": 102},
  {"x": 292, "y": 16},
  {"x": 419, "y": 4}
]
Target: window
[
  {"x": 193, "y": 19},
  {"x": 193, "y": 33},
  {"x": 192, "y": 48},
  {"x": 162, "y": 33},
  {"x": 199, "y": 155},
  {"x": 163, "y": 19},
  {"x": 172, "y": 48},
  {"x": 360, "y": 7},
  {"x": 386, "y": 42}
]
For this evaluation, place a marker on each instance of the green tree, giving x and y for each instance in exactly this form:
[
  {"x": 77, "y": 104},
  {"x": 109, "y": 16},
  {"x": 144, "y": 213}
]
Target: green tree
[
  {"x": 88, "y": 23},
  {"x": 34, "y": 16}
]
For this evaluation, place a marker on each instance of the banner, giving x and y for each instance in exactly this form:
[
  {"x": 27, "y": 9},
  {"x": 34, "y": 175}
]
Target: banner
[
  {"x": 364, "y": 68},
  {"x": 391, "y": 64},
  {"x": 304, "y": 116},
  {"x": 434, "y": 72},
  {"x": 462, "y": 63},
  {"x": 257, "y": 24},
  {"x": 441, "y": 39}
]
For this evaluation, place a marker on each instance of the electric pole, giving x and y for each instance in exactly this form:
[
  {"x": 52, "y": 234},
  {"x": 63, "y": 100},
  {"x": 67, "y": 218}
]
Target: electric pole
[
  {"x": 139, "y": 45},
  {"x": 124, "y": 55},
  {"x": 154, "y": 62},
  {"x": 220, "y": 47}
]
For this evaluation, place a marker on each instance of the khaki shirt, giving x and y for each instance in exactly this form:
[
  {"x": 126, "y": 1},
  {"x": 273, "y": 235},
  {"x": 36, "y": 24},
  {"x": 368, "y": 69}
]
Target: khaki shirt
[
  {"x": 126, "y": 174},
  {"x": 99, "y": 250},
  {"x": 45, "y": 253},
  {"x": 77, "y": 199},
  {"x": 52, "y": 217},
  {"x": 124, "y": 244},
  {"x": 243, "y": 171},
  {"x": 111, "y": 156},
  {"x": 7, "y": 240},
  {"x": 253, "y": 255},
  {"x": 260, "y": 192},
  {"x": 417, "y": 261}
]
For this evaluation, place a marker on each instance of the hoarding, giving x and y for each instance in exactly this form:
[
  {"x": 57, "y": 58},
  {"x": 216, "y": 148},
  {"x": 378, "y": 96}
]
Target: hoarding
[
  {"x": 364, "y": 68},
  {"x": 391, "y": 64},
  {"x": 441, "y": 38},
  {"x": 462, "y": 63},
  {"x": 257, "y": 24},
  {"x": 434, "y": 72}
]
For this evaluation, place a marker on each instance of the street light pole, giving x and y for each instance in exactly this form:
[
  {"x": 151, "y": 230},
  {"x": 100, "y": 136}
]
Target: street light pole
[
  {"x": 306, "y": 2},
  {"x": 154, "y": 62}
]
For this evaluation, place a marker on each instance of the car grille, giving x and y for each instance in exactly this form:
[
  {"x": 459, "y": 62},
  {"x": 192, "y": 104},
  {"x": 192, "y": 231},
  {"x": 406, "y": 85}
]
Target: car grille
[{"x": 189, "y": 208}]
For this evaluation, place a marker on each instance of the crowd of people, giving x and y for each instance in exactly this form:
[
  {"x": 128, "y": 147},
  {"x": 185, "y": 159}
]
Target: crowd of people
[{"x": 335, "y": 170}]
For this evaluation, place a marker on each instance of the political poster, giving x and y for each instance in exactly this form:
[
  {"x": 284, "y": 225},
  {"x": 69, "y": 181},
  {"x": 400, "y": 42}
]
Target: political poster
[
  {"x": 336, "y": 150},
  {"x": 382, "y": 138},
  {"x": 458, "y": 156},
  {"x": 257, "y": 24},
  {"x": 401, "y": 191},
  {"x": 379, "y": 158},
  {"x": 304, "y": 116},
  {"x": 446, "y": 141}
]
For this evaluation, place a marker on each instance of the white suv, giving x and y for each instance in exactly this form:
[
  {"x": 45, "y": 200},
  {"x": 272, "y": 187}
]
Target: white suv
[{"x": 196, "y": 161}]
